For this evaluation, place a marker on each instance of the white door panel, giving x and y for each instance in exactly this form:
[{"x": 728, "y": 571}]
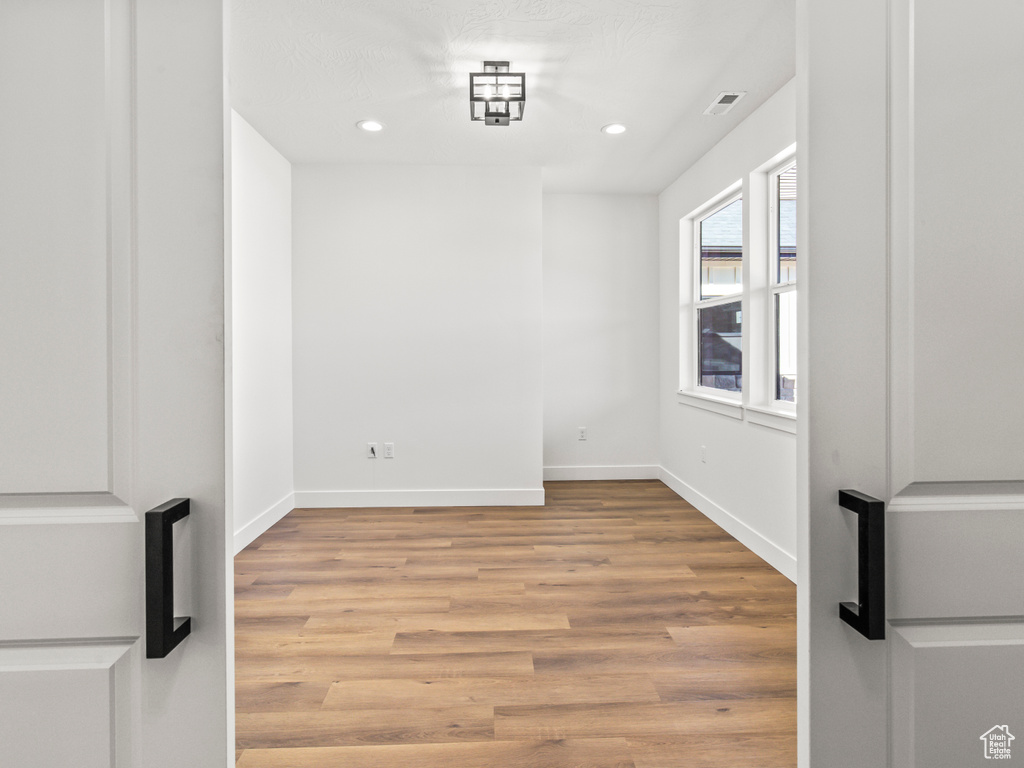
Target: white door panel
[
  {"x": 53, "y": 192},
  {"x": 58, "y": 579},
  {"x": 952, "y": 683},
  {"x": 935, "y": 571},
  {"x": 963, "y": 206},
  {"x": 111, "y": 378},
  {"x": 67, "y": 704}
]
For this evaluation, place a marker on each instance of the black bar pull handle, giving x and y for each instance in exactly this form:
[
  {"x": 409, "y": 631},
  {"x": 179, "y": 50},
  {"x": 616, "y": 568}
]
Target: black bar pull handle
[
  {"x": 867, "y": 615},
  {"x": 163, "y": 630}
]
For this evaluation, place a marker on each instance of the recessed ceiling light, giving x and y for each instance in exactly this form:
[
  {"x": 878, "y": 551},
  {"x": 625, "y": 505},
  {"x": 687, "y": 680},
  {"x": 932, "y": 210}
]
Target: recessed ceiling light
[
  {"x": 614, "y": 128},
  {"x": 370, "y": 125}
]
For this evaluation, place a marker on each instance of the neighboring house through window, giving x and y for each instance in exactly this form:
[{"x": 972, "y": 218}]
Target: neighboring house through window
[{"x": 719, "y": 305}]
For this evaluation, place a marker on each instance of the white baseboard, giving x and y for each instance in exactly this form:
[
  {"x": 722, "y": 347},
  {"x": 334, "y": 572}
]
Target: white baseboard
[
  {"x": 248, "y": 533},
  {"x": 486, "y": 497},
  {"x": 768, "y": 551},
  {"x": 612, "y": 472}
]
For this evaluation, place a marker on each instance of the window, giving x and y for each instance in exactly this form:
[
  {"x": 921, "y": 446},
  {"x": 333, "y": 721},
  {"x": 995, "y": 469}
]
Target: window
[
  {"x": 718, "y": 302},
  {"x": 738, "y": 298},
  {"x": 783, "y": 283}
]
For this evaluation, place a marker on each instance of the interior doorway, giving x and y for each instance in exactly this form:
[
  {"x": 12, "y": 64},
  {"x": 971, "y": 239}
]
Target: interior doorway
[{"x": 374, "y": 316}]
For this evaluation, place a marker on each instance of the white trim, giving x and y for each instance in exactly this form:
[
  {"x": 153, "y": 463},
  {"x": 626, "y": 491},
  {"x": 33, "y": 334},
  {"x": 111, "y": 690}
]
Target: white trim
[
  {"x": 249, "y": 532},
  {"x": 67, "y": 516},
  {"x": 784, "y": 421},
  {"x": 775, "y": 292},
  {"x": 483, "y": 497},
  {"x": 775, "y": 418},
  {"x": 776, "y": 288},
  {"x": 733, "y": 193},
  {"x": 611, "y": 472},
  {"x": 953, "y": 503},
  {"x": 775, "y": 556},
  {"x": 726, "y": 406},
  {"x": 64, "y": 655},
  {"x": 730, "y": 194},
  {"x": 779, "y": 162},
  {"x": 65, "y": 509},
  {"x": 961, "y": 632}
]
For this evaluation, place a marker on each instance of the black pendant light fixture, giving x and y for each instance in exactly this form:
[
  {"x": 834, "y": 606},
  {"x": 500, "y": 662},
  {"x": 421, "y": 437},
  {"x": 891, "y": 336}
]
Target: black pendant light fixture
[{"x": 497, "y": 96}]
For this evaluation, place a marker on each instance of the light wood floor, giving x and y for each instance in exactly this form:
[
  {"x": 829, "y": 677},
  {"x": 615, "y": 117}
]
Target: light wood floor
[{"x": 614, "y": 627}]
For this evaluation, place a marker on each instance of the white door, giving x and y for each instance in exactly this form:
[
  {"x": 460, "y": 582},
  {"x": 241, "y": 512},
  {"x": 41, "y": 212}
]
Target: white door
[
  {"x": 912, "y": 158},
  {"x": 111, "y": 379}
]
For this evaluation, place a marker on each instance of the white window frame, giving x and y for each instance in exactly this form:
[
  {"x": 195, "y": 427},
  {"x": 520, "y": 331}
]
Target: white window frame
[
  {"x": 755, "y": 402},
  {"x": 776, "y": 287},
  {"x": 722, "y": 201}
]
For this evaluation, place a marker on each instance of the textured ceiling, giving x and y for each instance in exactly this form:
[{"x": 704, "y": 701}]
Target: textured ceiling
[{"x": 303, "y": 72}]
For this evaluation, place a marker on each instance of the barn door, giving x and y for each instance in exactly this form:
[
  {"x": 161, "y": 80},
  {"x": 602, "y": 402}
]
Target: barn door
[
  {"x": 910, "y": 124},
  {"x": 111, "y": 382}
]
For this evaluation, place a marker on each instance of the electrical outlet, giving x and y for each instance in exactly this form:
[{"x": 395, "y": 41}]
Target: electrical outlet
[
  {"x": 371, "y": 450},
  {"x": 704, "y": 454},
  {"x": 389, "y": 450},
  {"x": 581, "y": 433}
]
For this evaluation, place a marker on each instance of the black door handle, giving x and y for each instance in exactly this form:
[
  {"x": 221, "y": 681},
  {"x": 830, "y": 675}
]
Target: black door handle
[
  {"x": 867, "y": 615},
  {"x": 163, "y": 630}
]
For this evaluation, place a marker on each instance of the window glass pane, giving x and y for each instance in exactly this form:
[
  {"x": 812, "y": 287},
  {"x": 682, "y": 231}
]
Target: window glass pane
[
  {"x": 721, "y": 358},
  {"x": 786, "y": 261},
  {"x": 785, "y": 346},
  {"x": 721, "y": 252}
]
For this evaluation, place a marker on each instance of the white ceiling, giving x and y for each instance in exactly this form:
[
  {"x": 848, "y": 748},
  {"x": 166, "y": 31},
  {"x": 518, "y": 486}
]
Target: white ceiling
[{"x": 303, "y": 72}]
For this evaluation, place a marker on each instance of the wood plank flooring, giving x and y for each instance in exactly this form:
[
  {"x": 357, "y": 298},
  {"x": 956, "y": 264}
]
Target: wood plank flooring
[{"x": 615, "y": 627}]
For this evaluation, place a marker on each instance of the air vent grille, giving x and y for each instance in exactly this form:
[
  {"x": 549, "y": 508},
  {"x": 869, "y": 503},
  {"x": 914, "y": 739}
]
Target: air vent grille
[{"x": 725, "y": 101}]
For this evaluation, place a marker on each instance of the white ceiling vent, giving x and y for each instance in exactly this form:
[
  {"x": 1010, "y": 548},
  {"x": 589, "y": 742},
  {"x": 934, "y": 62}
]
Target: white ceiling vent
[{"x": 724, "y": 102}]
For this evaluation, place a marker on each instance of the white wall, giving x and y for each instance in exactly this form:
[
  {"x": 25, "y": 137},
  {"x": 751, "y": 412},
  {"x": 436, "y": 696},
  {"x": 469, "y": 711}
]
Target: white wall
[
  {"x": 600, "y": 336},
  {"x": 417, "y": 295},
  {"x": 261, "y": 317},
  {"x": 747, "y": 485}
]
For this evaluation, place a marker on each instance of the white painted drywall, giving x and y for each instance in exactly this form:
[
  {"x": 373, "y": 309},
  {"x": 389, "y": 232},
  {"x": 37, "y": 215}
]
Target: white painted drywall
[
  {"x": 600, "y": 336},
  {"x": 261, "y": 318},
  {"x": 748, "y": 483},
  {"x": 417, "y": 297}
]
